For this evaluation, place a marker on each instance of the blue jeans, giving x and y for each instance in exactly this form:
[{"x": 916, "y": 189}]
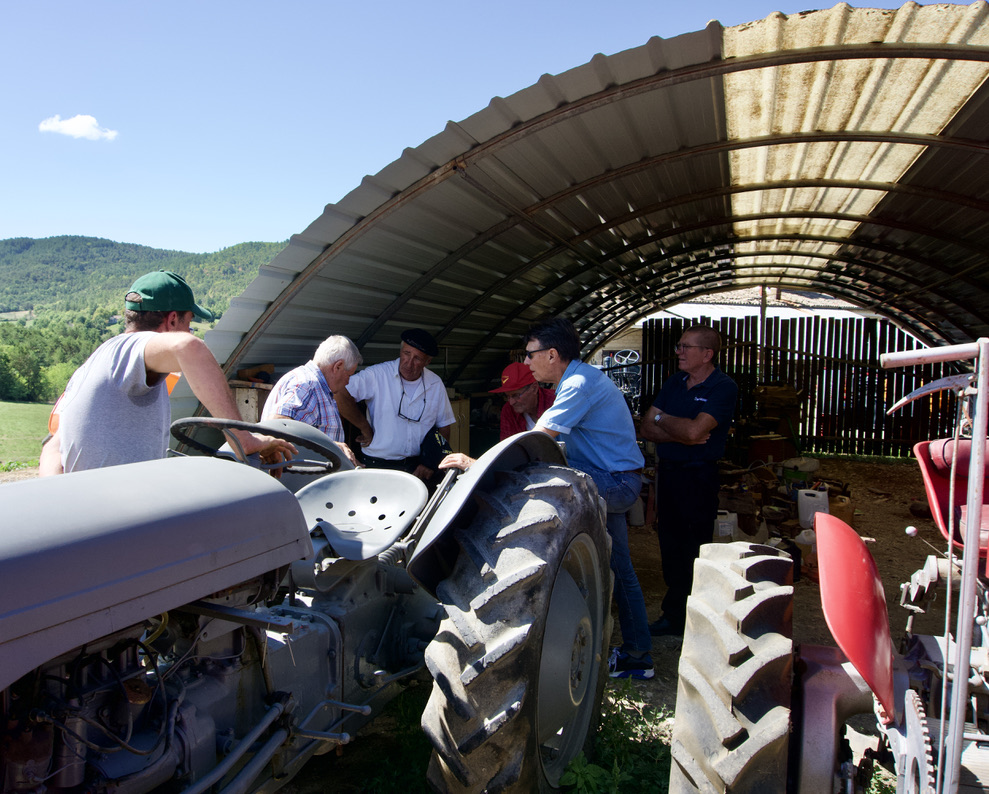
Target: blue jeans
[{"x": 620, "y": 489}]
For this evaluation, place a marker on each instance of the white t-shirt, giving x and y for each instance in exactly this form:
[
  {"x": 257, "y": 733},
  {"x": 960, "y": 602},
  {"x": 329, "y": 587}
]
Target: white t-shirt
[{"x": 423, "y": 403}]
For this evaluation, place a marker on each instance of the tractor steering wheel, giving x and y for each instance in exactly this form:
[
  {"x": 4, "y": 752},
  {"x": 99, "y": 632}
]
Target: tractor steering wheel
[{"x": 297, "y": 465}]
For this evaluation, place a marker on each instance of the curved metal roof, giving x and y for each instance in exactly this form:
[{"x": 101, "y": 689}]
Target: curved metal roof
[{"x": 840, "y": 151}]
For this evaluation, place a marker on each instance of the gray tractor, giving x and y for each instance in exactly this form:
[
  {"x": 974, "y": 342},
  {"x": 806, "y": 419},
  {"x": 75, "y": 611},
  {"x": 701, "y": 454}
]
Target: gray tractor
[{"x": 193, "y": 624}]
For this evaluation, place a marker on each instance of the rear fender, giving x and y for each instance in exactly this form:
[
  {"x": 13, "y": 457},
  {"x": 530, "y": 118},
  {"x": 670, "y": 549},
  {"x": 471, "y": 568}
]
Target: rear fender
[
  {"x": 855, "y": 605},
  {"x": 431, "y": 561}
]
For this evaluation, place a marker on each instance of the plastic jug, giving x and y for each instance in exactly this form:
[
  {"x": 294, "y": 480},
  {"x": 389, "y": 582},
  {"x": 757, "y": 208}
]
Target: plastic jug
[
  {"x": 808, "y": 503},
  {"x": 725, "y": 527}
]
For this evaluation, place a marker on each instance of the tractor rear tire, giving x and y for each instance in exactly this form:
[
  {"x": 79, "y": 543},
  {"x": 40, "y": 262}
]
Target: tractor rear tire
[
  {"x": 731, "y": 731},
  {"x": 520, "y": 661}
]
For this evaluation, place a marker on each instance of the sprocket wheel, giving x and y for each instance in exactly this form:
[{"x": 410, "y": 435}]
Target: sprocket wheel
[
  {"x": 519, "y": 662},
  {"x": 918, "y": 771}
]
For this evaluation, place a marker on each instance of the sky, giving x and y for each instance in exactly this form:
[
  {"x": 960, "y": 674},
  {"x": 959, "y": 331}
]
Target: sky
[{"x": 195, "y": 126}]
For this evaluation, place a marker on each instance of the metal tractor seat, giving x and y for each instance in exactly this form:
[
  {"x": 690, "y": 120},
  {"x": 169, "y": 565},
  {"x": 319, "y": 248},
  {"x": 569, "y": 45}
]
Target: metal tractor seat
[
  {"x": 935, "y": 458},
  {"x": 364, "y": 511}
]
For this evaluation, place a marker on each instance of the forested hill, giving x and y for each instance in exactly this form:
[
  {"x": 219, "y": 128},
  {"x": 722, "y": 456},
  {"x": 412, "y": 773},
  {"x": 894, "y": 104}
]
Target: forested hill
[{"x": 83, "y": 274}]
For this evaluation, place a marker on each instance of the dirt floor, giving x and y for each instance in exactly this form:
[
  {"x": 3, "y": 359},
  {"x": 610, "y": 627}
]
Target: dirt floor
[{"x": 881, "y": 494}]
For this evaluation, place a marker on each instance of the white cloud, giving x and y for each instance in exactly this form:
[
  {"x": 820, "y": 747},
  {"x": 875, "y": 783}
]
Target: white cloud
[{"x": 78, "y": 127}]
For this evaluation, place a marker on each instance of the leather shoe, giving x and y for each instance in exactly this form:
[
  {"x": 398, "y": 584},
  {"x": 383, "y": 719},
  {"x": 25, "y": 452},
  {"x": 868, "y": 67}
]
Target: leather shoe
[{"x": 665, "y": 628}]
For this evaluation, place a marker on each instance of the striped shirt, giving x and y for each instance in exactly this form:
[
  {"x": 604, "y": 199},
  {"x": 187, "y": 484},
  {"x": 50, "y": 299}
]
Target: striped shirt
[{"x": 303, "y": 394}]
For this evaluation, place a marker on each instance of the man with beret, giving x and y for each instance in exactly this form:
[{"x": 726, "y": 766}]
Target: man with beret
[
  {"x": 525, "y": 400},
  {"x": 405, "y": 401},
  {"x": 115, "y": 408}
]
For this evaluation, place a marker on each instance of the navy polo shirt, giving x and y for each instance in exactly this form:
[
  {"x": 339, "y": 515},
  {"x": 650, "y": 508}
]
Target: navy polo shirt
[{"x": 716, "y": 396}]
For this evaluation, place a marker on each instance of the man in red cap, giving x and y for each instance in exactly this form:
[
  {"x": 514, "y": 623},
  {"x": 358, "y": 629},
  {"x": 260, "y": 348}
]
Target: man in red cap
[{"x": 525, "y": 400}]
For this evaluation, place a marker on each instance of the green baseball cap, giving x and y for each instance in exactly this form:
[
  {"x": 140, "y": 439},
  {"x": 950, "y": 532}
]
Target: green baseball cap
[{"x": 163, "y": 291}]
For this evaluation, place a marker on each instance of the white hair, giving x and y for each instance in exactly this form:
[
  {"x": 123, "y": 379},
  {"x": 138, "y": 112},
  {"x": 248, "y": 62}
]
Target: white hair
[{"x": 337, "y": 348}]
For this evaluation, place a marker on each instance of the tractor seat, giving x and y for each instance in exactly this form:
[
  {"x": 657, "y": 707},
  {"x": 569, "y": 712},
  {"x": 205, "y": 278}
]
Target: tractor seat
[
  {"x": 935, "y": 459},
  {"x": 364, "y": 511}
]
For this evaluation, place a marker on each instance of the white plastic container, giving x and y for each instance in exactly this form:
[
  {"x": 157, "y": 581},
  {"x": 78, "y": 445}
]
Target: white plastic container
[
  {"x": 808, "y": 503},
  {"x": 725, "y": 527},
  {"x": 807, "y": 543}
]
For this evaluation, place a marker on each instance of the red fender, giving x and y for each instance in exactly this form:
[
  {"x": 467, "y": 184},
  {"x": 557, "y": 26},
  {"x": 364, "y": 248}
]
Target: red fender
[{"x": 855, "y": 605}]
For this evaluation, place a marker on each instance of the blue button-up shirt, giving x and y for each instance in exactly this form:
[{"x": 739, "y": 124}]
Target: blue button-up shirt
[{"x": 591, "y": 413}]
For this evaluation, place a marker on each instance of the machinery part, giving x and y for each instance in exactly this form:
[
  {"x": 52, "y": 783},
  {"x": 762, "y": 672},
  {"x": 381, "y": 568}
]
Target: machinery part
[
  {"x": 326, "y": 449},
  {"x": 731, "y": 730},
  {"x": 625, "y": 357},
  {"x": 917, "y": 775},
  {"x": 954, "y": 382},
  {"x": 855, "y": 605},
  {"x": 519, "y": 660}
]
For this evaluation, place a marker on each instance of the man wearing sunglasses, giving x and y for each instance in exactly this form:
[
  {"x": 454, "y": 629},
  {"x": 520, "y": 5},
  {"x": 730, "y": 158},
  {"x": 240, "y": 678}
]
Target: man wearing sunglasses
[
  {"x": 405, "y": 401},
  {"x": 689, "y": 421},
  {"x": 591, "y": 415},
  {"x": 525, "y": 400}
]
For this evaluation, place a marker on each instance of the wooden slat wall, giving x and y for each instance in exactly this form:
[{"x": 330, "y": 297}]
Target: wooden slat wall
[{"x": 835, "y": 364}]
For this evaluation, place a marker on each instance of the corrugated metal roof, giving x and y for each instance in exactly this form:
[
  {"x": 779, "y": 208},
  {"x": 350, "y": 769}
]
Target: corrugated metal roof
[{"x": 840, "y": 151}]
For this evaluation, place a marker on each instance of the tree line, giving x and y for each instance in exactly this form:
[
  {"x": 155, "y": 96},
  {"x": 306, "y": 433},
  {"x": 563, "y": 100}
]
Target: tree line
[{"x": 71, "y": 291}]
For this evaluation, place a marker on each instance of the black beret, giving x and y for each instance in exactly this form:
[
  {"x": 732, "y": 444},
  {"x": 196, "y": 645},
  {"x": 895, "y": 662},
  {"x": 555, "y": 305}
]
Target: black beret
[{"x": 420, "y": 340}]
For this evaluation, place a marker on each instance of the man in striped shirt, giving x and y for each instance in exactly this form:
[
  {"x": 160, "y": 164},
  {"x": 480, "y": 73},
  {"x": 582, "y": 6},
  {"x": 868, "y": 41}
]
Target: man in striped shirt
[{"x": 306, "y": 393}]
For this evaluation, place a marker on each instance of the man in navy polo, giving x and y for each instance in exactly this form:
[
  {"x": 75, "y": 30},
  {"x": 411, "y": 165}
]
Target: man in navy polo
[{"x": 689, "y": 421}]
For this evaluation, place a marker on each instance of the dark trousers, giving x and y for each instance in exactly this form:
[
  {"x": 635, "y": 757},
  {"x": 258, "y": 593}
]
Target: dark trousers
[{"x": 686, "y": 509}]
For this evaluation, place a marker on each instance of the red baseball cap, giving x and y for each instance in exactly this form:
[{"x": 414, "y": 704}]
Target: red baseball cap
[{"x": 514, "y": 377}]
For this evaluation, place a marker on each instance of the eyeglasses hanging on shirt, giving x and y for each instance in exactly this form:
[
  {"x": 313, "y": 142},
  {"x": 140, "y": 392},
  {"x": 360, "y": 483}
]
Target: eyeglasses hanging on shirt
[{"x": 412, "y": 401}]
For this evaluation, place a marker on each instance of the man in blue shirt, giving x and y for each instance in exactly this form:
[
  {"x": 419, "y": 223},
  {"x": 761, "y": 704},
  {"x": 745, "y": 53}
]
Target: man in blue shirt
[
  {"x": 591, "y": 414},
  {"x": 689, "y": 421}
]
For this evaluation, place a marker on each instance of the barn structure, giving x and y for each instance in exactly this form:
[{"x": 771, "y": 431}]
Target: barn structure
[{"x": 841, "y": 152}]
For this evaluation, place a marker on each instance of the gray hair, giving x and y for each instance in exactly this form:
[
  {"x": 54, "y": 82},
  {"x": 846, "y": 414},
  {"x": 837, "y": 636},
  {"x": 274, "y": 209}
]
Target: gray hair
[{"x": 337, "y": 348}]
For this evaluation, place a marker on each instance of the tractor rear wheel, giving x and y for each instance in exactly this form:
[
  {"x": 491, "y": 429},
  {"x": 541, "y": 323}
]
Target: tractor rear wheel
[
  {"x": 520, "y": 660},
  {"x": 733, "y": 696}
]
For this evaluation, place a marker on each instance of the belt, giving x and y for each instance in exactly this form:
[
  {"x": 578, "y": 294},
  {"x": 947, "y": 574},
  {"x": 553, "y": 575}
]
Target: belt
[{"x": 384, "y": 463}]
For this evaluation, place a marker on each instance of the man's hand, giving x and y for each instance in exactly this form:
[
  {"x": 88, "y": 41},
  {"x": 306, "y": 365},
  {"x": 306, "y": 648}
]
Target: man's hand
[
  {"x": 269, "y": 448},
  {"x": 423, "y": 472},
  {"x": 365, "y": 437},
  {"x": 456, "y": 460},
  {"x": 348, "y": 453}
]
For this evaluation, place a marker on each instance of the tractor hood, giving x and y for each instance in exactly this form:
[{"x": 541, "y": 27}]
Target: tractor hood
[{"x": 87, "y": 554}]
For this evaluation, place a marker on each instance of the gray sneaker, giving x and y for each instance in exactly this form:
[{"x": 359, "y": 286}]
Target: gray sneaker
[{"x": 624, "y": 665}]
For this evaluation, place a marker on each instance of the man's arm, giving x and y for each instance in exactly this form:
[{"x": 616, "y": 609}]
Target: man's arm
[
  {"x": 350, "y": 411},
  {"x": 677, "y": 429},
  {"x": 51, "y": 457},
  {"x": 185, "y": 353}
]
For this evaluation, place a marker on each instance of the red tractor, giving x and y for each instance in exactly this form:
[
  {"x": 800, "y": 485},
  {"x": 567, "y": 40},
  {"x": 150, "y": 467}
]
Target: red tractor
[{"x": 754, "y": 714}]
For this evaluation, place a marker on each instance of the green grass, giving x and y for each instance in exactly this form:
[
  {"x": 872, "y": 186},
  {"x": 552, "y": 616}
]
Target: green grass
[
  {"x": 631, "y": 750},
  {"x": 23, "y": 426}
]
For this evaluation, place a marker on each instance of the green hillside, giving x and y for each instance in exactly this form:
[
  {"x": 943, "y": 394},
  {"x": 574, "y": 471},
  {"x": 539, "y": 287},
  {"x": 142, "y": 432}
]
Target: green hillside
[
  {"x": 73, "y": 274},
  {"x": 59, "y": 297}
]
